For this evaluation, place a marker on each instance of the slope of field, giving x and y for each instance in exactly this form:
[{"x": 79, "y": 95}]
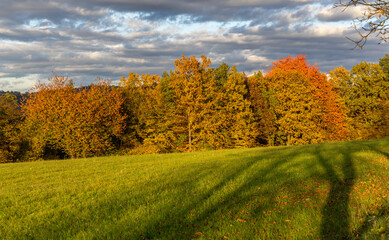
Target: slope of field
[{"x": 324, "y": 191}]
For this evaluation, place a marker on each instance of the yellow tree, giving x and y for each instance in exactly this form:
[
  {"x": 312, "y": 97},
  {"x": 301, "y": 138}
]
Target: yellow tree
[
  {"x": 298, "y": 115},
  {"x": 193, "y": 89},
  {"x": 320, "y": 114},
  {"x": 235, "y": 114}
]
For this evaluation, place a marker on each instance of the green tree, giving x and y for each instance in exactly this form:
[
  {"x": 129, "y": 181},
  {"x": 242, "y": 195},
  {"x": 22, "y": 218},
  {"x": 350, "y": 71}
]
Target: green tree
[
  {"x": 384, "y": 63},
  {"x": 164, "y": 129},
  {"x": 140, "y": 105},
  {"x": 366, "y": 95}
]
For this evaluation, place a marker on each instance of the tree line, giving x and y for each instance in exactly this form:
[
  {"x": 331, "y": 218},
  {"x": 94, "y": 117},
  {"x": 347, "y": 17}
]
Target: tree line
[{"x": 197, "y": 107}]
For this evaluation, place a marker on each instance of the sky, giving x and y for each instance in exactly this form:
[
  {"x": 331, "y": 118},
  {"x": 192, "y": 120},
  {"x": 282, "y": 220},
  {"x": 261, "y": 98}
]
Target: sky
[{"x": 86, "y": 39}]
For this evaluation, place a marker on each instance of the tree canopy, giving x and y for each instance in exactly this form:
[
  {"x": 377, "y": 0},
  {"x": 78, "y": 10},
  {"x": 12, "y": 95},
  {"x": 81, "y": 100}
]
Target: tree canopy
[{"x": 197, "y": 107}]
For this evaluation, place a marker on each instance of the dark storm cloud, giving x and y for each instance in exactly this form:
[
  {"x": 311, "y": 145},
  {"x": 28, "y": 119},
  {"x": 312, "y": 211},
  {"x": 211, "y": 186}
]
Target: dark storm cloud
[{"x": 85, "y": 39}]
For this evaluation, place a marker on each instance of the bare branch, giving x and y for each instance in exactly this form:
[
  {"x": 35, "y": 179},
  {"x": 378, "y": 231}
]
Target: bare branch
[{"x": 373, "y": 22}]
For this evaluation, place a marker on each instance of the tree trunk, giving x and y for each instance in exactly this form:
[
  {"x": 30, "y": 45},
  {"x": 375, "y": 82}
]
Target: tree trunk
[
  {"x": 288, "y": 140},
  {"x": 189, "y": 132}
]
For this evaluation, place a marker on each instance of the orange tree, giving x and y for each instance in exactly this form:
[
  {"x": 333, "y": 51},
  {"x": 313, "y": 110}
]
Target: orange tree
[
  {"x": 307, "y": 109},
  {"x": 78, "y": 122}
]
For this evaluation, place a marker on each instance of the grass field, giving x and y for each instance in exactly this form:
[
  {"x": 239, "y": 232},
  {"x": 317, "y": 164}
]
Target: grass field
[{"x": 324, "y": 191}]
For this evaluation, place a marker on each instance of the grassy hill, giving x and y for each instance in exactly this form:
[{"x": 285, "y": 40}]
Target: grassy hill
[{"x": 324, "y": 191}]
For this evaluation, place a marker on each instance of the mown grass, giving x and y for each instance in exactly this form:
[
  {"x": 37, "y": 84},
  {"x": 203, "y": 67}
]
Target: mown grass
[{"x": 324, "y": 191}]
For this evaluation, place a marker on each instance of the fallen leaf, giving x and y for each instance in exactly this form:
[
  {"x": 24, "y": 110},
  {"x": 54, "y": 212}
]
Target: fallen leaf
[{"x": 241, "y": 220}]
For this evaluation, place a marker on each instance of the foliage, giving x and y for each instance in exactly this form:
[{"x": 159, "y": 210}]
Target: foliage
[
  {"x": 140, "y": 105},
  {"x": 197, "y": 107},
  {"x": 236, "y": 118},
  {"x": 340, "y": 79},
  {"x": 189, "y": 93},
  {"x": 324, "y": 191},
  {"x": 11, "y": 139},
  {"x": 384, "y": 63},
  {"x": 374, "y": 20},
  {"x": 306, "y": 108},
  {"x": 260, "y": 97},
  {"x": 75, "y": 122},
  {"x": 365, "y": 91}
]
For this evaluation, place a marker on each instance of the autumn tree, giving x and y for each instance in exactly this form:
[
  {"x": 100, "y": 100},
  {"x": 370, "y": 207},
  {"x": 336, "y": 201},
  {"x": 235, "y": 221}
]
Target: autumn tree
[
  {"x": 340, "y": 79},
  {"x": 236, "y": 126},
  {"x": 140, "y": 93},
  {"x": 365, "y": 92},
  {"x": 260, "y": 97},
  {"x": 189, "y": 95},
  {"x": 162, "y": 128},
  {"x": 194, "y": 88},
  {"x": 306, "y": 107},
  {"x": 11, "y": 139},
  {"x": 78, "y": 122},
  {"x": 374, "y": 19},
  {"x": 297, "y": 114},
  {"x": 384, "y": 63}
]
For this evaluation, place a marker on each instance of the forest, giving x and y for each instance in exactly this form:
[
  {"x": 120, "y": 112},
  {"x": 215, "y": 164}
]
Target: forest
[{"x": 196, "y": 107}]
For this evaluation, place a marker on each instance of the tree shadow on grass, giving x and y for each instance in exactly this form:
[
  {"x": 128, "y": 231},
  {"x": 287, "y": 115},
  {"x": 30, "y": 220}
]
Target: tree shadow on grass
[
  {"x": 177, "y": 223},
  {"x": 336, "y": 220},
  {"x": 187, "y": 227},
  {"x": 335, "y": 214},
  {"x": 270, "y": 165}
]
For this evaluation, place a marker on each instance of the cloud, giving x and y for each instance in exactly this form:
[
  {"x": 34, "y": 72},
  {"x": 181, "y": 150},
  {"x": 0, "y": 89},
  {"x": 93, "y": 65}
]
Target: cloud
[
  {"x": 86, "y": 39},
  {"x": 331, "y": 14}
]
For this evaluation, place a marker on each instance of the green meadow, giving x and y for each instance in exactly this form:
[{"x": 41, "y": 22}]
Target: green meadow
[{"x": 324, "y": 191}]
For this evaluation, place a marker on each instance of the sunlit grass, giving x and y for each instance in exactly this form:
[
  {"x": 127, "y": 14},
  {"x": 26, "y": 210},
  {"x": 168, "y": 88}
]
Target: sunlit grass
[{"x": 324, "y": 191}]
